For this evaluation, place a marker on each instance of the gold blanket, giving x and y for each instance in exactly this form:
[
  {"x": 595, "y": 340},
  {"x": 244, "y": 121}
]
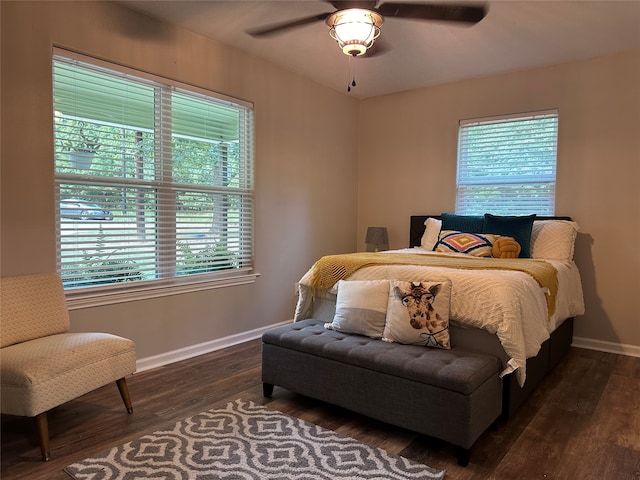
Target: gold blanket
[{"x": 328, "y": 270}]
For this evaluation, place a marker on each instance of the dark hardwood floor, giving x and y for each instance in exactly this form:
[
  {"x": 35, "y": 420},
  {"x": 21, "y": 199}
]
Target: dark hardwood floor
[{"x": 582, "y": 423}]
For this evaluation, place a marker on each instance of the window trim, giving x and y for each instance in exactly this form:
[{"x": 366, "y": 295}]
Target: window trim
[{"x": 79, "y": 298}]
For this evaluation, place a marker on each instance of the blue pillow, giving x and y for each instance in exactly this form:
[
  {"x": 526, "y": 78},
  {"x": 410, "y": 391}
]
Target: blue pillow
[
  {"x": 462, "y": 223},
  {"x": 517, "y": 227}
]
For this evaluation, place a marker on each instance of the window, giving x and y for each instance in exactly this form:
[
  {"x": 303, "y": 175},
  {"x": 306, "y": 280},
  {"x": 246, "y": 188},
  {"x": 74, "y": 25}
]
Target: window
[
  {"x": 507, "y": 165},
  {"x": 154, "y": 183}
]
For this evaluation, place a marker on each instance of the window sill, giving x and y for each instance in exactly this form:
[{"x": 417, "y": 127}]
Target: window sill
[{"x": 87, "y": 298}]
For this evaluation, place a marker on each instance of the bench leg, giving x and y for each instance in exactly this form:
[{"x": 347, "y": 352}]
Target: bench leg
[
  {"x": 42, "y": 426},
  {"x": 495, "y": 426},
  {"x": 267, "y": 389},
  {"x": 124, "y": 393},
  {"x": 463, "y": 456}
]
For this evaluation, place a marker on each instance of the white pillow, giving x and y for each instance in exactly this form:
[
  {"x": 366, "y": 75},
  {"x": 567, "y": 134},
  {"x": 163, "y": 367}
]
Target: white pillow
[
  {"x": 418, "y": 313},
  {"x": 553, "y": 239},
  {"x": 431, "y": 232},
  {"x": 361, "y": 307}
]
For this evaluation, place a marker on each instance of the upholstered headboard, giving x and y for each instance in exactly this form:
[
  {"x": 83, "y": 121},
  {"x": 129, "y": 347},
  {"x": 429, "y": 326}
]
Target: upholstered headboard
[{"x": 416, "y": 229}]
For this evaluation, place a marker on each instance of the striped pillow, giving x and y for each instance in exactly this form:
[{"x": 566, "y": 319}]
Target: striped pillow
[{"x": 361, "y": 307}]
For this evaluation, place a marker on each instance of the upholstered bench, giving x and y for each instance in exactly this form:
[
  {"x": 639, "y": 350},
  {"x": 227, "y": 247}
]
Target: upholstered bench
[{"x": 453, "y": 395}]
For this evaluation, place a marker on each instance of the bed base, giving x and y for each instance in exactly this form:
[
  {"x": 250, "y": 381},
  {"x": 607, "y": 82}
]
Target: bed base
[
  {"x": 551, "y": 353},
  {"x": 476, "y": 340}
]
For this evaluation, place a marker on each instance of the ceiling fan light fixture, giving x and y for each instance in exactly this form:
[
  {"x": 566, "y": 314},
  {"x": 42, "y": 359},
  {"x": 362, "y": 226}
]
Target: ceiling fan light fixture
[{"x": 355, "y": 29}]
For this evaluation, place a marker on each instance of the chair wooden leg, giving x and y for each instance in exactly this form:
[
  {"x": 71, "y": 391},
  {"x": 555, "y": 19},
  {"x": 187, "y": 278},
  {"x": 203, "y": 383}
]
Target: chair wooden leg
[
  {"x": 43, "y": 435},
  {"x": 124, "y": 393}
]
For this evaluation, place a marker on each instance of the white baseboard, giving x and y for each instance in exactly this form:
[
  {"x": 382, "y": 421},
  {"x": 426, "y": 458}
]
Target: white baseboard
[
  {"x": 191, "y": 351},
  {"x": 609, "y": 347}
]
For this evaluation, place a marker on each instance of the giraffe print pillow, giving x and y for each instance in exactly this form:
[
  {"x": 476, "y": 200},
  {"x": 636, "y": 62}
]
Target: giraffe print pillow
[{"x": 418, "y": 313}]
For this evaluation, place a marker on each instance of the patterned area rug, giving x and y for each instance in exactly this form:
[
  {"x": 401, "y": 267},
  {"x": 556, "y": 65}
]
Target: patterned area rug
[{"x": 247, "y": 441}]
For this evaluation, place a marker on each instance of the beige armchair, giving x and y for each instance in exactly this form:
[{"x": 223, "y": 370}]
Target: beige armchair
[{"x": 42, "y": 365}]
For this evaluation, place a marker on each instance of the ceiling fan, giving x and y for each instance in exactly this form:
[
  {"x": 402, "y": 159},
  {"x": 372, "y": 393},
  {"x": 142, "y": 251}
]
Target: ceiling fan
[{"x": 355, "y": 25}]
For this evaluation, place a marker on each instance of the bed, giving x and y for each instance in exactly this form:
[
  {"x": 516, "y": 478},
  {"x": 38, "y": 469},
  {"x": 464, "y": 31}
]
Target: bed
[{"x": 503, "y": 311}]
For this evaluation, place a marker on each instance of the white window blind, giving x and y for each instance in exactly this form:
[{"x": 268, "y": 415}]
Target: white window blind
[
  {"x": 507, "y": 165},
  {"x": 154, "y": 179}
]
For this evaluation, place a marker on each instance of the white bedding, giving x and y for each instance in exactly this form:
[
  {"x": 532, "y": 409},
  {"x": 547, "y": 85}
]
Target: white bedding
[{"x": 507, "y": 303}]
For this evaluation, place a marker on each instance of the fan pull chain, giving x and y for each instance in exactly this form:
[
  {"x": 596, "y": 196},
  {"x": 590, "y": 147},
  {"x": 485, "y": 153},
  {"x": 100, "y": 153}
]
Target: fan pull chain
[{"x": 351, "y": 83}]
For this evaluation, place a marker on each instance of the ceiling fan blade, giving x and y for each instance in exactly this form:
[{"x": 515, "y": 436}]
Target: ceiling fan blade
[
  {"x": 276, "y": 28},
  {"x": 344, "y": 4},
  {"x": 445, "y": 11}
]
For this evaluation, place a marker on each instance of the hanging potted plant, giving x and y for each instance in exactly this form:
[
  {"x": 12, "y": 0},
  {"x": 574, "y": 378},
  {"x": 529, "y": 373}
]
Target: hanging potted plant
[{"x": 82, "y": 152}]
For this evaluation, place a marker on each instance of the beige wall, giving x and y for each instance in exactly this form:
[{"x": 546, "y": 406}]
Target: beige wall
[
  {"x": 408, "y": 146},
  {"x": 317, "y": 189},
  {"x": 305, "y": 184}
]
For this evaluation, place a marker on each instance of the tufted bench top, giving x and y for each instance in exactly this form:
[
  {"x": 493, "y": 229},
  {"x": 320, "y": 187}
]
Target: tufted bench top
[{"x": 456, "y": 369}]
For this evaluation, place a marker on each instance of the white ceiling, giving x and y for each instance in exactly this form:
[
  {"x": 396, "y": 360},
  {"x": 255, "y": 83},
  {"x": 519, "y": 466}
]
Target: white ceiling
[{"x": 514, "y": 35}]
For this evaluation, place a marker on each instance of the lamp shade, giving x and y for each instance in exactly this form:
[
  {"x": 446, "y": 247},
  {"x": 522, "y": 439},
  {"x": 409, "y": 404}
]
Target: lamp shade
[{"x": 377, "y": 239}]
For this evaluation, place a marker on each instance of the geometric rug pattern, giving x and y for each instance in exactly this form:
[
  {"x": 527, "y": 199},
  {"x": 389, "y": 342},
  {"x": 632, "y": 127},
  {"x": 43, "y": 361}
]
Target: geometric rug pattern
[{"x": 245, "y": 441}]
